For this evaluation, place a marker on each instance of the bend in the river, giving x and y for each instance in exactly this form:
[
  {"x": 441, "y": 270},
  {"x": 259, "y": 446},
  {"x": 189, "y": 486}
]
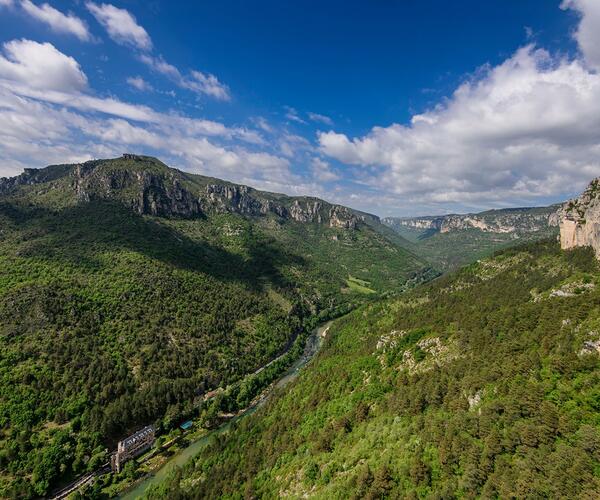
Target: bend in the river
[{"x": 313, "y": 345}]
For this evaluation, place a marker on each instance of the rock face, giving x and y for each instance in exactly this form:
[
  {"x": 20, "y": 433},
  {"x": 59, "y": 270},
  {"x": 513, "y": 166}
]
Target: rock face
[
  {"x": 146, "y": 192},
  {"x": 223, "y": 198},
  {"x": 506, "y": 221},
  {"x": 579, "y": 220},
  {"x": 32, "y": 176},
  {"x": 247, "y": 201},
  {"x": 149, "y": 187},
  {"x": 342, "y": 217}
]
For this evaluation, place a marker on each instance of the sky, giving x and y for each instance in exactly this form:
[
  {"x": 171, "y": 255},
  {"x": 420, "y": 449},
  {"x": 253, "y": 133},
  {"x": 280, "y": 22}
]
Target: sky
[{"x": 396, "y": 107}]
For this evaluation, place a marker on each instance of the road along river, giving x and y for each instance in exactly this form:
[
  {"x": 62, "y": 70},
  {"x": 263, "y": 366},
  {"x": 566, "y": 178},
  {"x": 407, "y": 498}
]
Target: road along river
[{"x": 313, "y": 345}]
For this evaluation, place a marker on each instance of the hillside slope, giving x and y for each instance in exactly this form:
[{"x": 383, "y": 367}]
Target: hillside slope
[
  {"x": 450, "y": 241},
  {"x": 129, "y": 289},
  {"x": 483, "y": 383}
]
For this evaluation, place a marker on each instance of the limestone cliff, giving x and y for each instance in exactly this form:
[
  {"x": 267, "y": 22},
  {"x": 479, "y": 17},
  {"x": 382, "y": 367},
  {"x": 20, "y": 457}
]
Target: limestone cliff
[
  {"x": 506, "y": 221},
  {"x": 580, "y": 220},
  {"x": 150, "y": 187},
  {"x": 146, "y": 192}
]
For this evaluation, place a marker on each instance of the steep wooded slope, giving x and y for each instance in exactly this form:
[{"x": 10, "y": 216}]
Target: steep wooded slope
[{"x": 484, "y": 383}]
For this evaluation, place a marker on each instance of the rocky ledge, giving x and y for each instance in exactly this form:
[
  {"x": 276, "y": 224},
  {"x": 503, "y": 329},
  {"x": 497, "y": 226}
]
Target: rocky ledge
[
  {"x": 579, "y": 220},
  {"x": 146, "y": 192},
  {"x": 244, "y": 200}
]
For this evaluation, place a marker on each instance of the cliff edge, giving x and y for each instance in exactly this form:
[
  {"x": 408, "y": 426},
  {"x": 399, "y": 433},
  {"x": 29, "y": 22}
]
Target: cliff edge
[{"x": 580, "y": 220}]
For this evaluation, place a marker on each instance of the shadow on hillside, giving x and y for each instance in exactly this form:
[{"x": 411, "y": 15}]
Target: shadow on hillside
[{"x": 79, "y": 234}]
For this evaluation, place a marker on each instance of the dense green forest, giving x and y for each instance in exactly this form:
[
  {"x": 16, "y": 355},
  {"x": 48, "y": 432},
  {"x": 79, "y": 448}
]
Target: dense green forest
[
  {"x": 112, "y": 318},
  {"x": 484, "y": 383}
]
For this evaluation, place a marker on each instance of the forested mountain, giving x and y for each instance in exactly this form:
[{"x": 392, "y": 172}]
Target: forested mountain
[
  {"x": 128, "y": 289},
  {"x": 484, "y": 383},
  {"x": 450, "y": 241}
]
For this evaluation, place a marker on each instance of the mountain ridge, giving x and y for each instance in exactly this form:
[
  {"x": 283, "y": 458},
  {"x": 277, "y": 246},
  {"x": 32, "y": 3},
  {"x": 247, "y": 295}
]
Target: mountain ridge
[
  {"x": 504, "y": 220},
  {"x": 450, "y": 241},
  {"x": 160, "y": 190}
]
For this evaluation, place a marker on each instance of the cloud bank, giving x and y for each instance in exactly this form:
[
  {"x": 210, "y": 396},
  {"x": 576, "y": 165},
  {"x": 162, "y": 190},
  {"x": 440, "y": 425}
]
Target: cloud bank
[
  {"x": 49, "y": 114},
  {"x": 522, "y": 131}
]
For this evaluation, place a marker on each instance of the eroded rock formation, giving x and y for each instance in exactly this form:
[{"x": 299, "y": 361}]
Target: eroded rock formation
[
  {"x": 580, "y": 220},
  {"x": 147, "y": 192}
]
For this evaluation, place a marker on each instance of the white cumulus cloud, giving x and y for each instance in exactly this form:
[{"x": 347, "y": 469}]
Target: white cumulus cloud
[
  {"x": 139, "y": 83},
  {"x": 316, "y": 117},
  {"x": 40, "y": 66},
  {"x": 58, "y": 22},
  {"x": 121, "y": 25},
  {"x": 588, "y": 31},
  {"x": 292, "y": 114},
  {"x": 196, "y": 81},
  {"x": 522, "y": 131},
  {"x": 321, "y": 170},
  {"x": 208, "y": 84}
]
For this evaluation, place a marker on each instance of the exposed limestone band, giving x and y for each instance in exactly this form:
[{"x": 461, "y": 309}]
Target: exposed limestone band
[{"x": 580, "y": 220}]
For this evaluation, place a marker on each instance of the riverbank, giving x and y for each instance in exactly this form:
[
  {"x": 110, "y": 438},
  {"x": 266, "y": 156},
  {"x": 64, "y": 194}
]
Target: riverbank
[{"x": 178, "y": 458}]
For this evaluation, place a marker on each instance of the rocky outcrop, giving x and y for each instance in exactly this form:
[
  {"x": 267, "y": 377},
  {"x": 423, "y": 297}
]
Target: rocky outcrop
[
  {"x": 343, "y": 217},
  {"x": 223, "y": 198},
  {"x": 306, "y": 212},
  {"x": 500, "y": 224},
  {"x": 590, "y": 347},
  {"x": 146, "y": 192},
  {"x": 580, "y": 220},
  {"x": 244, "y": 200},
  {"x": 8, "y": 184},
  {"x": 419, "y": 223},
  {"x": 320, "y": 212},
  {"x": 32, "y": 176}
]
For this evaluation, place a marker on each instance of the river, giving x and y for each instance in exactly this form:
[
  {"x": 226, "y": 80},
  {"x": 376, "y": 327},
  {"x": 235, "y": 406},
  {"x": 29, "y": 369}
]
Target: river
[{"x": 313, "y": 345}]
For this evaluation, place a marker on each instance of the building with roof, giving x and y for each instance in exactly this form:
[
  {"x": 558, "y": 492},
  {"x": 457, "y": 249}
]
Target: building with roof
[
  {"x": 132, "y": 446},
  {"x": 186, "y": 425}
]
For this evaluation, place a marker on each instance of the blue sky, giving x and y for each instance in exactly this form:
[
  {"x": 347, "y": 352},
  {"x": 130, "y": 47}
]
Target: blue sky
[{"x": 396, "y": 107}]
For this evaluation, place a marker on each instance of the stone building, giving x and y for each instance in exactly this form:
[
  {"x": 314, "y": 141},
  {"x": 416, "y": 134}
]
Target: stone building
[{"x": 131, "y": 447}]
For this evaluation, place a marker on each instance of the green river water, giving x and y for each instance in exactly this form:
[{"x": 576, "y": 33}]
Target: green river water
[{"x": 313, "y": 344}]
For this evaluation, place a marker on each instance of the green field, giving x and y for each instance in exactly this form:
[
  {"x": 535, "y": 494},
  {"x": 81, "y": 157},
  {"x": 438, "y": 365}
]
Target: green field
[{"x": 358, "y": 285}]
